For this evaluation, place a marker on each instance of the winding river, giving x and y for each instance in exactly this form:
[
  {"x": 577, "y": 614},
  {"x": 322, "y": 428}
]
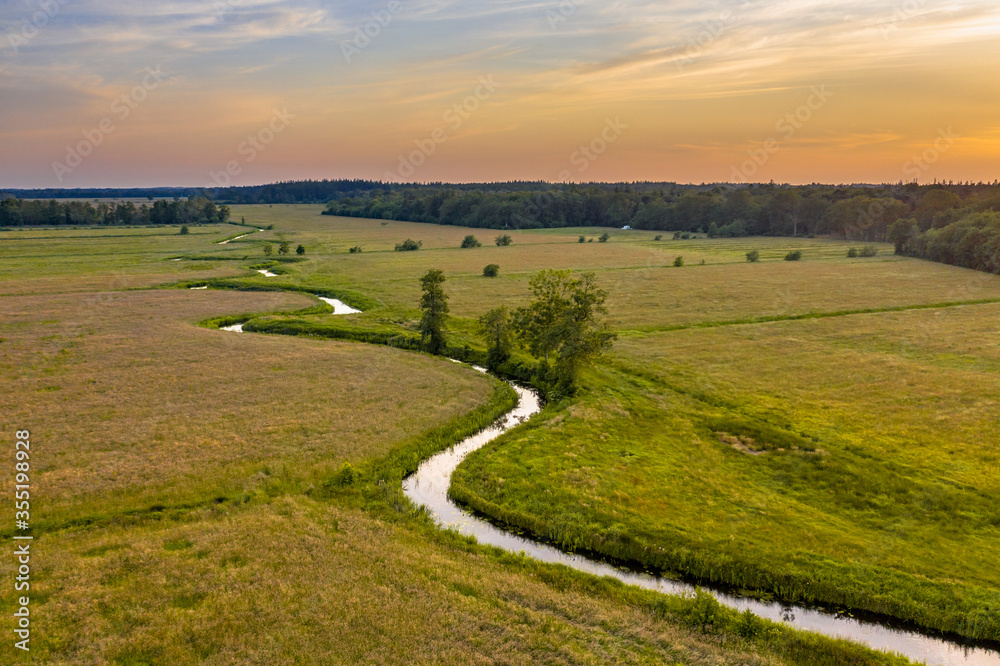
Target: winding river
[{"x": 428, "y": 488}]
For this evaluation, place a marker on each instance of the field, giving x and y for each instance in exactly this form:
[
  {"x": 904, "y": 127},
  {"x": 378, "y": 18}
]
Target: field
[{"x": 193, "y": 504}]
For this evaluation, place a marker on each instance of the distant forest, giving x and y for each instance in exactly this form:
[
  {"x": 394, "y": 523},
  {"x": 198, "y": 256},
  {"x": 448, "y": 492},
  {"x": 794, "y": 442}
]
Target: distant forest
[
  {"x": 955, "y": 223},
  {"x": 20, "y": 213}
]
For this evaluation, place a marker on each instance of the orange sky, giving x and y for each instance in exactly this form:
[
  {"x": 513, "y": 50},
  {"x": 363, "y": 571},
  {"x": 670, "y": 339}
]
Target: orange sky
[{"x": 110, "y": 93}]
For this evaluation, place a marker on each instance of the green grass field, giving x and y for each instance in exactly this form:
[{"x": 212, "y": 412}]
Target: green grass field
[{"x": 191, "y": 510}]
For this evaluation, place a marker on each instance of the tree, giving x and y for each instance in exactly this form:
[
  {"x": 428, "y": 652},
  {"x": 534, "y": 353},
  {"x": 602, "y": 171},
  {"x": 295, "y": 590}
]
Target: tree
[
  {"x": 497, "y": 327},
  {"x": 491, "y": 270},
  {"x": 563, "y": 319},
  {"x": 184, "y": 230},
  {"x": 409, "y": 245},
  {"x": 678, "y": 262},
  {"x": 794, "y": 255},
  {"x": 604, "y": 237},
  {"x": 300, "y": 250},
  {"x": 753, "y": 256},
  {"x": 901, "y": 233},
  {"x": 434, "y": 304},
  {"x": 284, "y": 248},
  {"x": 504, "y": 240},
  {"x": 268, "y": 250},
  {"x": 471, "y": 241},
  {"x": 583, "y": 239}
]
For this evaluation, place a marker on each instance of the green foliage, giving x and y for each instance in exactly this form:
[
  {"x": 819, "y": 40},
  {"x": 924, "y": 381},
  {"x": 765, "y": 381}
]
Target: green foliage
[
  {"x": 504, "y": 240},
  {"x": 357, "y": 249},
  {"x": 604, "y": 237},
  {"x": 678, "y": 262},
  {"x": 713, "y": 230},
  {"x": 582, "y": 239},
  {"x": 852, "y": 253},
  {"x": 753, "y": 627},
  {"x": 563, "y": 319},
  {"x": 753, "y": 256},
  {"x": 300, "y": 250},
  {"x": 409, "y": 245},
  {"x": 434, "y": 305},
  {"x": 868, "y": 251},
  {"x": 658, "y": 237},
  {"x": 498, "y": 329},
  {"x": 184, "y": 230},
  {"x": 284, "y": 248},
  {"x": 705, "y": 612},
  {"x": 471, "y": 241},
  {"x": 491, "y": 270},
  {"x": 268, "y": 250},
  {"x": 794, "y": 255}
]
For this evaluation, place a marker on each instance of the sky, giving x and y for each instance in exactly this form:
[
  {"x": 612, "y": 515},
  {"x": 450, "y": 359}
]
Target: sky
[{"x": 137, "y": 93}]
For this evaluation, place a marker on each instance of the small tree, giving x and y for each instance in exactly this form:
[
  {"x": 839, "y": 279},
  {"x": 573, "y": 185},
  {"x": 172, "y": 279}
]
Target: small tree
[
  {"x": 434, "y": 304},
  {"x": 471, "y": 241},
  {"x": 868, "y": 251},
  {"x": 794, "y": 255},
  {"x": 284, "y": 248},
  {"x": 583, "y": 239},
  {"x": 357, "y": 249},
  {"x": 491, "y": 270},
  {"x": 184, "y": 230},
  {"x": 658, "y": 237},
  {"x": 268, "y": 250},
  {"x": 604, "y": 237},
  {"x": 852, "y": 253},
  {"x": 497, "y": 327},
  {"x": 753, "y": 256},
  {"x": 504, "y": 241},
  {"x": 300, "y": 250},
  {"x": 678, "y": 262},
  {"x": 409, "y": 245}
]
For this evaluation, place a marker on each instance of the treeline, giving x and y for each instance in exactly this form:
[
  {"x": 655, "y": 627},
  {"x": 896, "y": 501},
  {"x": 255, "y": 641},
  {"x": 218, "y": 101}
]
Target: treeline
[
  {"x": 971, "y": 241},
  {"x": 20, "y": 213},
  {"x": 862, "y": 213}
]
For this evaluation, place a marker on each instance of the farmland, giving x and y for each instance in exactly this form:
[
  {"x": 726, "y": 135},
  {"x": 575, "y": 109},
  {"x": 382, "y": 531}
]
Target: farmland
[{"x": 186, "y": 472}]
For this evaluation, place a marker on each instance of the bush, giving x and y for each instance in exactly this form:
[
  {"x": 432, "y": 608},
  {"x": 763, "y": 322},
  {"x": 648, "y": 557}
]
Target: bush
[
  {"x": 753, "y": 256},
  {"x": 504, "y": 241},
  {"x": 658, "y": 237},
  {"x": 409, "y": 245},
  {"x": 583, "y": 239},
  {"x": 184, "y": 230},
  {"x": 492, "y": 270},
  {"x": 751, "y": 626},
  {"x": 868, "y": 251},
  {"x": 794, "y": 255},
  {"x": 852, "y": 253},
  {"x": 705, "y": 612},
  {"x": 284, "y": 248},
  {"x": 300, "y": 250},
  {"x": 471, "y": 241},
  {"x": 685, "y": 236},
  {"x": 268, "y": 250},
  {"x": 357, "y": 249},
  {"x": 677, "y": 235},
  {"x": 604, "y": 237},
  {"x": 678, "y": 262}
]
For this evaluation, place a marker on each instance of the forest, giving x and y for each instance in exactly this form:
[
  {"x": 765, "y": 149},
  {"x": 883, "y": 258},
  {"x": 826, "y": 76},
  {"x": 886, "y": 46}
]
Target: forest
[{"x": 23, "y": 213}]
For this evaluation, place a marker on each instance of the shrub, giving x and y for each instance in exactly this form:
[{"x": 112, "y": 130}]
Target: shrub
[
  {"x": 357, "y": 249},
  {"x": 300, "y": 250},
  {"x": 677, "y": 235},
  {"x": 678, "y": 262},
  {"x": 753, "y": 256},
  {"x": 685, "y": 236},
  {"x": 492, "y": 270},
  {"x": 852, "y": 253},
  {"x": 504, "y": 241},
  {"x": 583, "y": 239},
  {"x": 471, "y": 241},
  {"x": 409, "y": 245},
  {"x": 604, "y": 237},
  {"x": 658, "y": 237},
  {"x": 794, "y": 255},
  {"x": 284, "y": 248},
  {"x": 705, "y": 613},
  {"x": 346, "y": 476},
  {"x": 184, "y": 230},
  {"x": 750, "y": 626},
  {"x": 868, "y": 251},
  {"x": 268, "y": 250}
]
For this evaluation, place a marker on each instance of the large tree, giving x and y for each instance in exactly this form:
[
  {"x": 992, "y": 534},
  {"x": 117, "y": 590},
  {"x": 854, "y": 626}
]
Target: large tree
[
  {"x": 434, "y": 304},
  {"x": 497, "y": 327}
]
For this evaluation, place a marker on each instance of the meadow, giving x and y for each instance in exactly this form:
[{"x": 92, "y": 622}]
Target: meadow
[{"x": 222, "y": 498}]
